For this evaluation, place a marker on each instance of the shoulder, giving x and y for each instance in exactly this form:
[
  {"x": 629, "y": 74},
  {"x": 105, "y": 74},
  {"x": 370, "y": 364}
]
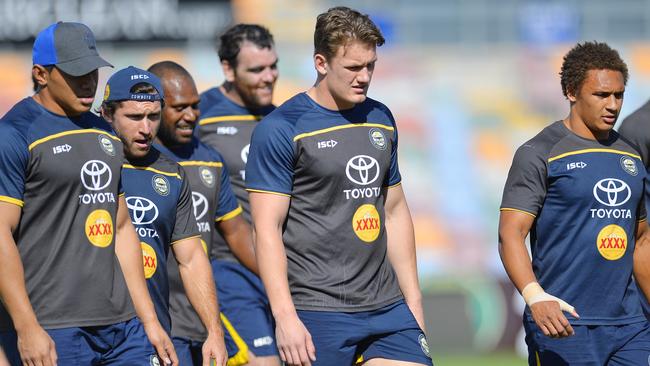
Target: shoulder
[
  {"x": 208, "y": 153},
  {"x": 624, "y": 144},
  {"x": 542, "y": 144}
]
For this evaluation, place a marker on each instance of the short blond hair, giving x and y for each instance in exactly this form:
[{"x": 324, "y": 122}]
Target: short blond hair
[{"x": 340, "y": 25}]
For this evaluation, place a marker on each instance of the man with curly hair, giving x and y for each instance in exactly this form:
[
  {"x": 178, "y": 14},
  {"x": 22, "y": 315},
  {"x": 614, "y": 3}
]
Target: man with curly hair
[{"x": 577, "y": 188}]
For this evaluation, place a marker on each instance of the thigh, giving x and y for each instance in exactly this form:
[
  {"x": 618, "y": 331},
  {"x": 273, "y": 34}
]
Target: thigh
[
  {"x": 579, "y": 349},
  {"x": 243, "y": 302},
  {"x": 335, "y": 336},
  {"x": 396, "y": 338},
  {"x": 636, "y": 345},
  {"x": 183, "y": 350},
  {"x": 129, "y": 345},
  {"x": 75, "y": 346}
]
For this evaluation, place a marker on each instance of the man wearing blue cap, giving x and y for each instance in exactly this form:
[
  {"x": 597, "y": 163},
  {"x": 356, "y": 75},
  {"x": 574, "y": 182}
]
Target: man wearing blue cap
[
  {"x": 64, "y": 226},
  {"x": 159, "y": 199}
]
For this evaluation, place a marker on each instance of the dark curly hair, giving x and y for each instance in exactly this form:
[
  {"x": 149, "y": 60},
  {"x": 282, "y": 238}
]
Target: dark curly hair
[{"x": 588, "y": 56}]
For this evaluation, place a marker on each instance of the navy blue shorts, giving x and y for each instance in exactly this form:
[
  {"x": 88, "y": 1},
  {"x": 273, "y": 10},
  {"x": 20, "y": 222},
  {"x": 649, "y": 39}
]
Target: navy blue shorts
[
  {"x": 189, "y": 352},
  {"x": 345, "y": 338},
  {"x": 612, "y": 345},
  {"x": 243, "y": 302},
  {"x": 123, "y": 343}
]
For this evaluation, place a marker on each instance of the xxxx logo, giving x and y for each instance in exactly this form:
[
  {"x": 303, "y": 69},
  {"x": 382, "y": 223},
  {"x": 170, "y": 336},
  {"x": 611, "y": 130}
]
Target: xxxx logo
[
  {"x": 99, "y": 228},
  {"x": 366, "y": 223},
  {"x": 612, "y": 242},
  {"x": 149, "y": 260}
]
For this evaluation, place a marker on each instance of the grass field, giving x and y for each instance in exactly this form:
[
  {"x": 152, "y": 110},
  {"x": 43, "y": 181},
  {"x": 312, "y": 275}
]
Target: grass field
[{"x": 499, "y": 359}]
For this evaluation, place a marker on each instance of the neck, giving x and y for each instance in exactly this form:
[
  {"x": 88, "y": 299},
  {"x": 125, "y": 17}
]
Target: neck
[
  {"x": 579, "y": 127},
  {"x": 229, "y": 91},
  {"x": 321, "y": 95},
  {"x": 44, "y": 99}
]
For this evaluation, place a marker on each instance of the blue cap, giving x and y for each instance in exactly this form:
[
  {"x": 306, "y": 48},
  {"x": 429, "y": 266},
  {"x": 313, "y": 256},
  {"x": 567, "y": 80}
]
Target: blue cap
[
  {"x": 118, "y": 86},
  {"x": 70, "y": 47}
]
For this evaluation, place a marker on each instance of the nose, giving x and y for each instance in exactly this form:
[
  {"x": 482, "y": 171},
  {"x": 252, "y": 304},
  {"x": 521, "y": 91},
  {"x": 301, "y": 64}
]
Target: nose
[
  {"x": 145, "y": 126},
  {"x": 190, "y": 114},
  {"x": 613, "y": 103},
  {"x": 363, "y": 76},
  {"x": 270, "y": 75}
]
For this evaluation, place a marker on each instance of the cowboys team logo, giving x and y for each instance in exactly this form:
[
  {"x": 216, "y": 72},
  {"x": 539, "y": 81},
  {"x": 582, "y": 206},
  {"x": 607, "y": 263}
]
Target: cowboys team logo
[
  {"x": 106, "y": 144},
  {"x": 96, "y": 175},
  {"x": 628, "y": 164},
  {"x": 143, "y": 211},
  {"x": 160, "y": 184},
  {"x": 99, "y": 228},
  {"x": 207, "y": 177},
  {"x": 362, "y": 170},
  {"x": 612, "y": 242},
  {"x": 422, "y": 340},
  {"x": 107, "y": 92},
  {"x": 365, "y": 223},
  {"x": 154, "y": 361},
  {"x": 377, "y": 138},
  {"x": 149, "y": 260}
]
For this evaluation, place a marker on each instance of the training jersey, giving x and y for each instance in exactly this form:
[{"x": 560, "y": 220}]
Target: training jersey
[
  {"x": 212, "y": 201},
  {"x": 336, "y": 167},
  {"x": 586, "y": 197},
  {"x": 636, "y": 128},
  {"x": 64, "y": 172},
  {"x": 227, "y": 127},
  {"x": 160, "y": 204}
]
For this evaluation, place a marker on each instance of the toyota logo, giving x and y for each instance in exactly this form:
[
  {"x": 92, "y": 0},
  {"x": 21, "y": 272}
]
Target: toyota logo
[
  {"x": 139, "y": 208},
  {"x": 244, "y": 153},
  {"x": 96, "y": 175},
  {"x": 612, "y": 192},
  {"x": 200, "y": 204},
  {"x": 362, "y": 170}
]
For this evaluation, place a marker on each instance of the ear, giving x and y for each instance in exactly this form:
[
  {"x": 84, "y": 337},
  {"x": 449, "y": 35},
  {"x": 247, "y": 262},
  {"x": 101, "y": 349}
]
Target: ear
[
  {"x": 571, "y": 96},
  {"x": 105, "y": 115},
  {"x": 40, "y": 75},
  {"x": 321, "y": 64},
  {"x": 228, "y": 71}
]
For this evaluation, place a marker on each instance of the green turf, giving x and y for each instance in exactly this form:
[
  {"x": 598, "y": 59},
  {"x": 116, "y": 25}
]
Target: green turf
[{"x": 504, "y": 359}]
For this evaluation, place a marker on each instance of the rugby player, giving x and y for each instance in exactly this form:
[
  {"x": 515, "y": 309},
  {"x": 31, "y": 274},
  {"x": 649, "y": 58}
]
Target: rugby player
[
  {"x": 229, "y": 113},
  {"x": 577, "y": 189},
  {"x": 160, "y": 203},
  {"x": 334, "y": 235},
  {"x": 215, "y": 205},
  {"x": 64, "y": 229}
]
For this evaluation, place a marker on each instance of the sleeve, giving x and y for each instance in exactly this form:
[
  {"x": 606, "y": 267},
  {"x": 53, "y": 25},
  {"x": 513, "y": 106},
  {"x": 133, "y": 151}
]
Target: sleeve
[
  {"x": 525, "y": 188},
  {"x": 185, "y": 223},
  {"x": 641, "y": 212},
  {"x": 270, "y": 165},
  {"x": 394, "y": 176},
  {"x": 14, "y": 159},
  {"x": 228, "y": 207}
]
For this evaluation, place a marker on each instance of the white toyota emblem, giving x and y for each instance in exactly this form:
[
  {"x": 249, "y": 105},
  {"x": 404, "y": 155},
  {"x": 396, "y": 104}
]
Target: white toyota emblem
[
  {"x": 362, "y": 170},
  {"x": 244, "y": 153},
  {"x": 140, "y": 207},
  {"x": 96, "y": 175},
  {"x": 612, "y": 192},
  {"x": 200, "y": 204}
]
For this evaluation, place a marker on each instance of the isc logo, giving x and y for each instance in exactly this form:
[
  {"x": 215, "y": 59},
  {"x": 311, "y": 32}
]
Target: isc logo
[
  {"x": 576, "y": 165},
  {"x": 136, "y": 77},
  {"x": 61, "y": 149},
  {"x": 326, "y": 144}
]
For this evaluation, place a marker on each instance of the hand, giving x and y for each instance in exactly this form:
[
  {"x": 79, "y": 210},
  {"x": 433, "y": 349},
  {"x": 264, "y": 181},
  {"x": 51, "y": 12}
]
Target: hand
[
  {"x": 36, "y": 347},
  {"x": 550, "y": 319},
  {"x": 161, "y": 342},
  {"x": 294, "y": 341},
  {"x": 214, "y": 348}
]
